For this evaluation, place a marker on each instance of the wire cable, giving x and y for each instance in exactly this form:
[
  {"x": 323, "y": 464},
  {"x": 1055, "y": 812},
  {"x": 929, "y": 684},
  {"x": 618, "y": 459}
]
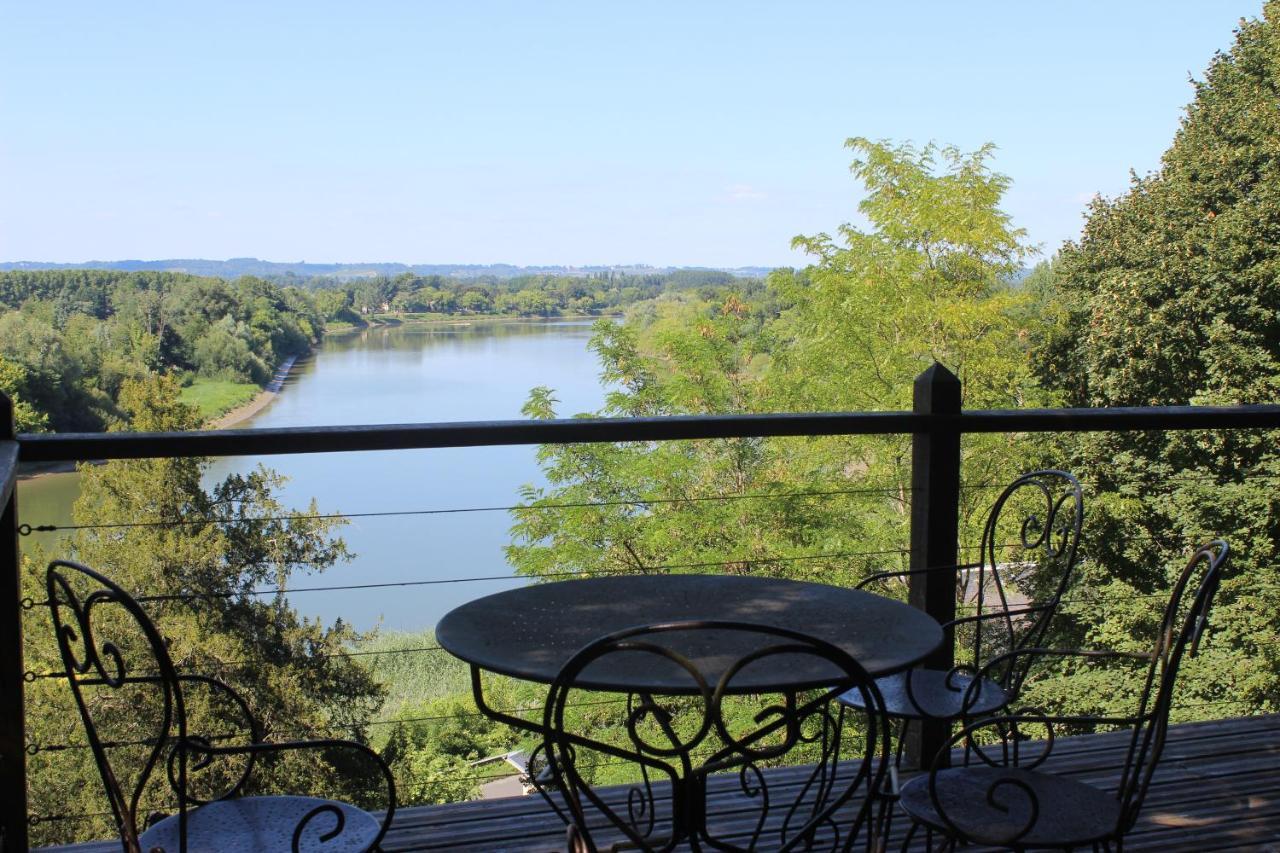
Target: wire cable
[{"x": 27, "y": 529}]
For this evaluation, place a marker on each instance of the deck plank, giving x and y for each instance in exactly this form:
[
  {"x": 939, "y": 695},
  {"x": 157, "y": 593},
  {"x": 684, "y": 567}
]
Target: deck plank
[{"x": 1217, "y": 788}]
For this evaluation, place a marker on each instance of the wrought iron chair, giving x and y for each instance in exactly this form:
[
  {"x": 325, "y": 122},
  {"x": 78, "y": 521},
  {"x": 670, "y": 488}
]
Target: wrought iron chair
[
  {"x": 720, "y": 717},
  {"x": 101, "y": 630},
  {"x": 1004, "y": 796},
  {"x": 1027, "y": 554}
]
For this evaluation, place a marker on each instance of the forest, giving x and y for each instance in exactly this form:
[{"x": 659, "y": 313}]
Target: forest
[
  {"x": 70, "y": 338},
  {"x": 1168, "y": 297},
  {"x": 423, "y": 296}
]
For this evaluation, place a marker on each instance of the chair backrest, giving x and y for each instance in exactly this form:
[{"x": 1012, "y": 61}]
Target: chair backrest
[
  {"x": 1185, "y": 618},
  {"x": 1030, "y": 544},
  {"x": 713, "y": 724},
  {"x": 107, "y": 642}
]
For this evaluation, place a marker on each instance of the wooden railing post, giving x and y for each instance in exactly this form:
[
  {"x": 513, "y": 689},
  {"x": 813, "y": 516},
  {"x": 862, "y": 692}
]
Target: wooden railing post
[
  {"x": 13, "y": 753},
  {"x": 935, "y": 514}
]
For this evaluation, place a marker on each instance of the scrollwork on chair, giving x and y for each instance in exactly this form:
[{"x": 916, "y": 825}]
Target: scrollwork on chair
[
  {"x": 80, "y": 621},
  {"x": 1051, "y": 506},
  {"x": 83, "y": 656},
  {"x": 1001, "y": 796},
  {"x": 1010, "y": 600},
  {"x": 716, "y": 723},
  {"x": 1006, "y": 793}
]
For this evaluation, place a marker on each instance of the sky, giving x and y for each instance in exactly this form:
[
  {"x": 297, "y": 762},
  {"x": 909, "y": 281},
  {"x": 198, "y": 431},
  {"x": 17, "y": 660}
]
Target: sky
[{"x": 701, "y": 134}]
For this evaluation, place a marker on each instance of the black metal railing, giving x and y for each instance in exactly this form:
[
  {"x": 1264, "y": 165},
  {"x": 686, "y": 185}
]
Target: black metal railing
[{"x": 936, "y": 425}]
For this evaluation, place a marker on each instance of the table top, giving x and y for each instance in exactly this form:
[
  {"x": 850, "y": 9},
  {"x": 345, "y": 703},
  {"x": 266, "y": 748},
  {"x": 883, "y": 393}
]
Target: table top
[{"x": 531, "y": 632}]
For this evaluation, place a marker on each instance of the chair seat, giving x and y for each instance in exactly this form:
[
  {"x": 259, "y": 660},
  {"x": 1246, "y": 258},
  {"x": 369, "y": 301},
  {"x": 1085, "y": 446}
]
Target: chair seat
[
  {"x": 1070, "y": 812},
  {"x": 931, "y": 696},
  {"x": 263, "y": 824}
]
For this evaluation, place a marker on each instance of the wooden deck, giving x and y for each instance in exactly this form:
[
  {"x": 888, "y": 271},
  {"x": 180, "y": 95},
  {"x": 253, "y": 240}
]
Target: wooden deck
[{"x": 1217, "y": 788}]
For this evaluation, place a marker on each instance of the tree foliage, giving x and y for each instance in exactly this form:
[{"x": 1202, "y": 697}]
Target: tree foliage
[
  {"x": 1170, "y": 298},
  {"x": 927, "y": 281},
  {"x": 535, "y": 295},
  {"x": 71, "y": 339},
  {"x": 207, "y": 553}
]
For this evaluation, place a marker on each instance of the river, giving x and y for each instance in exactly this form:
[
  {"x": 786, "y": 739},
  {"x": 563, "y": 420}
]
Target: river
[{"x": 404, "y": 374}]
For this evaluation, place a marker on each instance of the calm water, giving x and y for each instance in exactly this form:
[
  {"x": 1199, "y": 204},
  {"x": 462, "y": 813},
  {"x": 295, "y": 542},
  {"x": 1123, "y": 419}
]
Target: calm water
[{"x": 403, "y": 375}]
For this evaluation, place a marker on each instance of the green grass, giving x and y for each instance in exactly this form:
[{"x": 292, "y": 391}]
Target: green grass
[
  {"x": 214, "y": 397},
  {"x": 412, "y": 676}
]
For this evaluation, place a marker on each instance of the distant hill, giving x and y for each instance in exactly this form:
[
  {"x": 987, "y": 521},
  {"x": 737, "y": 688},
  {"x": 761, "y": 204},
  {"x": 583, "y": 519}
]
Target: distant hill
[{"x": 236, "y": 267}]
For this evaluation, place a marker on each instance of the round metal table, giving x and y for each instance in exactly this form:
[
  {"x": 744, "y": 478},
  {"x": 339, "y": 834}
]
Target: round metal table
[{"x": 531, "y": 632}]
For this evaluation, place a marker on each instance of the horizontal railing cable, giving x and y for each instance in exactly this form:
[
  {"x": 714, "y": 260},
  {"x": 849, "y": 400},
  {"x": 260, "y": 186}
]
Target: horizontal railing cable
[
  {"x": 34, "y": 748},
  {"x": 887, "y": 490},
  {"x": 763, "y": 560},
  {"x": 28, "y": 603},
  {"x": 27, "y": 529},
  {"x": 37, "y": 819},
  {"x": 452, "y": 779}
]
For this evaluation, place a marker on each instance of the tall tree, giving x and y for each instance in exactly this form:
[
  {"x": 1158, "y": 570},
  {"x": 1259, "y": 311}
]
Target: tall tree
[
  {"x": 1171, "y": 297},
  {"x": 14, "y": 382},
  {"x": 927, "y": 281}
]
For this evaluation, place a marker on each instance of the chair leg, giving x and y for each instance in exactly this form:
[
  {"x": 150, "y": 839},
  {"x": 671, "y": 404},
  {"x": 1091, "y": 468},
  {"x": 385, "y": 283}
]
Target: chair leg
[
  {"x": 906, "y": 839},
  {"x": 882, "y": 824},
  {"x": 902, "y": 741},
  {"x": 911, "y": 834},
  {"x": 889, "y": 799}
]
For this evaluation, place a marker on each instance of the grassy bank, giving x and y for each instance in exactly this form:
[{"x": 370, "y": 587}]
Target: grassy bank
[
  {"x": 413, "y": 676},
  {"x": 215, "y": 397}
]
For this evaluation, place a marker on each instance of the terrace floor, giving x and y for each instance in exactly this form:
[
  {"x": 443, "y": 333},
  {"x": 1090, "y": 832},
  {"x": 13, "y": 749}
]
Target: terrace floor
[{"x": 1217, "y": 788}]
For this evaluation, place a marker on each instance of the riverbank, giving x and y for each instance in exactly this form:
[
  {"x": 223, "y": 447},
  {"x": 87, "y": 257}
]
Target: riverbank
[
  {"x": 34, "y": 470},
  {"x": 268, "y": 394},
  {"x": 381, "y": 321},
  {"x": 258, "y": 403}
]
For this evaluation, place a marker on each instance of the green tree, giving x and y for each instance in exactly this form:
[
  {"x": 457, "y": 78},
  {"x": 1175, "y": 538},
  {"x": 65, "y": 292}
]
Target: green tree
[
  {"x": 79, "y": 334},
  {"x": 224, "y": 352},
  {"x": 54, "y": 380},
  {"x": 211, "y": 551},
  {"x": 927, "y": 282},
  {"x": 1170, "y": 298},
  {"x": 13, "y": 382}
]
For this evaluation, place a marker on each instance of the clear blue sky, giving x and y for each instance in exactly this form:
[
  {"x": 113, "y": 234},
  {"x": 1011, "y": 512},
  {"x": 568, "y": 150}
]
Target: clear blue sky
[{"x": 559, "y": 133}]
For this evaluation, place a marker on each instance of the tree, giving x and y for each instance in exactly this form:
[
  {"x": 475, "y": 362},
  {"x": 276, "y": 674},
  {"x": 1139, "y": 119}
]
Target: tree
[
  {"x": 13, "y": 382},
  {"x": 79, "y": 334},
  {"x": 475, "y": 301},
  {"x": 1169, "y": 298},
  {"x": 927, "y": 282},
  {"x": 223, "y": 352},
  {"x": 208, "y": 553},
  {"x": 53, "y": 379}
]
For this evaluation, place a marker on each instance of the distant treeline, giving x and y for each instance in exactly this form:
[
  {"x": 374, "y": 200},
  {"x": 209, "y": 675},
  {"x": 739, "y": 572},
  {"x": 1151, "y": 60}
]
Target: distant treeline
[
  {"x": 290, "y": 271},
  {"x": 523, "y": 296},
  {"x": 69, "y": 338}
]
